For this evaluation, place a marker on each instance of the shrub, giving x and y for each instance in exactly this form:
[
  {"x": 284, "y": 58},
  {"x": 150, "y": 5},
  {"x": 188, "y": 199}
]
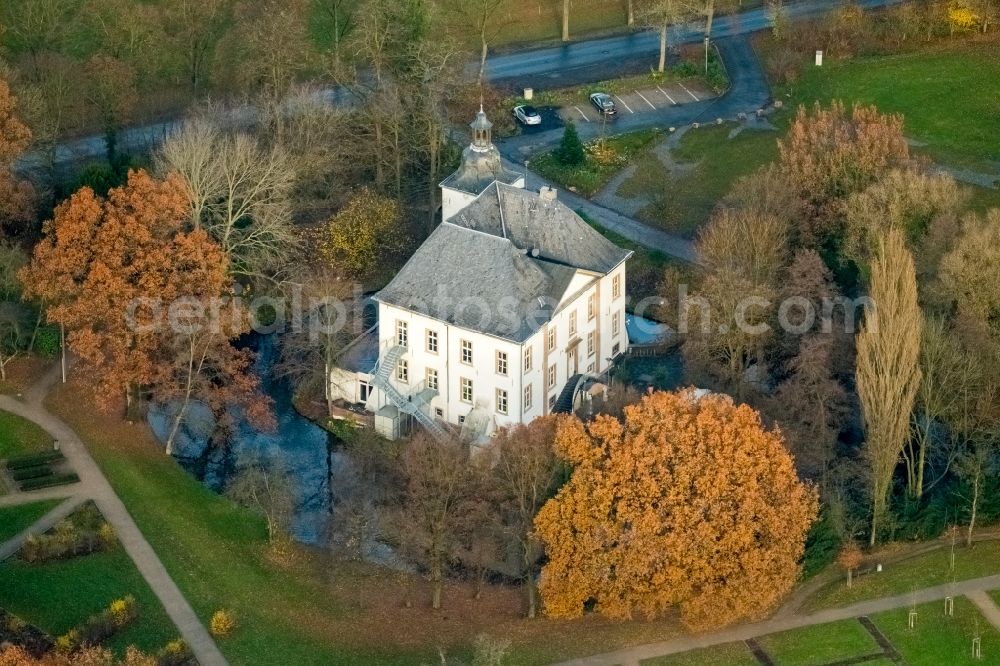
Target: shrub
[
  {"x": 123, "y": 611},
  {"x": 685, "y": 69},
  {"x": 47, "y": 343},
  {"x": 174, "y": 653},
  {"x": 106, "y": 535},
  {"x": 67, "y": 540},
  {"x": 68, "y": 642},
  {"x": 222, "y": 623},
  {"x": 102, "y": 626},
  {"x": 570, "y": 151}
]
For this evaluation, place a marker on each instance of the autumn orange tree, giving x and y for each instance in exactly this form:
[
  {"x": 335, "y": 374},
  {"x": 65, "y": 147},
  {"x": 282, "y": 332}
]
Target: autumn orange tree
[
  {"x": 690, "y": 502},
  {"x": 135, "y": 291},
  {"x": 17, "y": 196}
]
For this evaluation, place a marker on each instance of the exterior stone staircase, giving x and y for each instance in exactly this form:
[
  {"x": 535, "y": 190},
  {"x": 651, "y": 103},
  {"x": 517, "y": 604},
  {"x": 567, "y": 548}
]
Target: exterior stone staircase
[{"x": 412, "y": 403}]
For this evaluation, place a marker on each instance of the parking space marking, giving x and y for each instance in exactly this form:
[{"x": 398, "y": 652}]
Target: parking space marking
[
  {"x": 669, "y": 98},
  {"x": 627, "y": 107},
  {"x": 645, "y": 100},
  {"x": 693, "y": 96},
  {"x": 580, "y": 111}
]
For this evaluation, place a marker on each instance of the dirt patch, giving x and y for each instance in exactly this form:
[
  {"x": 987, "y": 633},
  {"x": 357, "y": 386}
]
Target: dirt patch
[{"x": 23, "y": 372}]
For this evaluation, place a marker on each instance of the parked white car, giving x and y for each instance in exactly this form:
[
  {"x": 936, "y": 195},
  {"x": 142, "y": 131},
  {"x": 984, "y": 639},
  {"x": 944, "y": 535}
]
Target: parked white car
[{"x": 527, "y": 115}]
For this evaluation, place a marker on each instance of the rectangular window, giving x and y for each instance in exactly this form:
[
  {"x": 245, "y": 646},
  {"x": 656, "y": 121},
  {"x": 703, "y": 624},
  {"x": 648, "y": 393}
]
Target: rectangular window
[
  {"x": 616, "y": 324},
  {"x": 466, "y": 352},
  {"x": 432, "y": 378},
  {"x": 590, "y": 343},
  {"x": 616, "y": 286},
  {"x": 615, "y": 349},
  {"x": 591, "y": 306},
  {"x": 466, "y": 390},
  {"x": 572, "y": 322},
  {"x": 438, "y": 412},
  {"x": 527, "y": 397},
  {"x": 552, "y": 401},
  {"x": 502, "y": 363},
  {"x": 401, "y": 333},
  {"x": 527, "y": 359},
  {"x": 403, "y": 370},
  {"x": 551, "y": 338},
  {"x": 552, "y": 375},
  {"x": 590, "y": 368},
  {"x": 432, "y": 341},
  {"x": 501, "y": 401}
]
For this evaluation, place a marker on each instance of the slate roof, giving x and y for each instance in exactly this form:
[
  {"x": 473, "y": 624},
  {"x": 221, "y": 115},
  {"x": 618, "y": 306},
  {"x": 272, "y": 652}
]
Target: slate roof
[
  {"x": 533, "y": 222},
  {"x": 477, "y": 270}
]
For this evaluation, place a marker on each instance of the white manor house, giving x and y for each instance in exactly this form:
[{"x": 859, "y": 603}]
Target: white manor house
[{"x": 498, "y": 317}]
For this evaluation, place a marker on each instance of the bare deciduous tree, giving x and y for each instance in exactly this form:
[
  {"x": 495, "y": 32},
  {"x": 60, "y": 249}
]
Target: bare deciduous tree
[
  {"x": 432, "y": 517},
  {"x": 661, "y": 15},
  {"x": 265, "y": 486},
  {"x": 239, "y": 193},
  {"x": 527, "y": 471}
]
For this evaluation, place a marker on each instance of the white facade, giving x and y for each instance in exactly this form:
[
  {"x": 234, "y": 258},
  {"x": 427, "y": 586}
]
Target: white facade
[
  {"x": 497, "y": 243},
  {"x": 583, "y": 329}
]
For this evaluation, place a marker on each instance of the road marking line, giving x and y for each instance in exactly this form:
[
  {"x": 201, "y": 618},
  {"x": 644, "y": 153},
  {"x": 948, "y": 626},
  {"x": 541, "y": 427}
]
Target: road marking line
[
  {"x": 669, "y": 98},
  {"x": 624, "y": 104},
  {"x": 585, "y": 118},
  {"x": 693, "y": 96},
  {"x": 645, "y": 100}
]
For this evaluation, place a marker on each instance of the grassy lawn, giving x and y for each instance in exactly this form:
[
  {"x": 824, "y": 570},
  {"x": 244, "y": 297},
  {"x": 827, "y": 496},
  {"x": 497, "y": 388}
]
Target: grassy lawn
[
  {"x": 20, "y": 437},
  {"x": 590, "y": 176},
  {"x": 311, "y": 609},
  {"x": 821, "y": 644},
  {"x": 59, "y": 595},
  {"x": 13, "y": 519},
  {"x": 927, "y": 570},
  {"x": 730, "y": 654},
  {"x": 681, "y": 199},
  {"x": 948, "y": 95},
  {"x": 938, "y": 639}
]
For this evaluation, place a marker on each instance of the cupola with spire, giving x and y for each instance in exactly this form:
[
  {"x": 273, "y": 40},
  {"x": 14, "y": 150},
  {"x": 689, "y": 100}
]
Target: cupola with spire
[{"x": 481, "y": 167}]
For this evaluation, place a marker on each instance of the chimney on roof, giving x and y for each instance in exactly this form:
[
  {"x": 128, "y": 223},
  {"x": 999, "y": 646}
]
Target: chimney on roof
[{"x": 547, "y": 193}]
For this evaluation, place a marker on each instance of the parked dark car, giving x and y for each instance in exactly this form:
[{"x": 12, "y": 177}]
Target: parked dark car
[{"x": 603, "y": 103}]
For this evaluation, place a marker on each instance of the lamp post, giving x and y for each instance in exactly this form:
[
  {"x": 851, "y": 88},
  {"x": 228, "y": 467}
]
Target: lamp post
[{"x": 706, "y": 55}]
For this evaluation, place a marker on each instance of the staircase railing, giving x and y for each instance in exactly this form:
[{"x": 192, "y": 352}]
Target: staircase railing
[{"x": 388, "y": 359}]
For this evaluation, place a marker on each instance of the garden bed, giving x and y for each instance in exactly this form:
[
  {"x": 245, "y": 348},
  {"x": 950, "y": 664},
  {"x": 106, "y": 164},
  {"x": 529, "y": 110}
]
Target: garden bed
[{"x": 604, "y": 158}]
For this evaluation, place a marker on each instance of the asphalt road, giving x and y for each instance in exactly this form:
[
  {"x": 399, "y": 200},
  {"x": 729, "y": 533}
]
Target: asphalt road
[
  {"x": 590, "y": 60},
  {"x": 597, "y": 59},
  {"x": 748, "y": 92}
]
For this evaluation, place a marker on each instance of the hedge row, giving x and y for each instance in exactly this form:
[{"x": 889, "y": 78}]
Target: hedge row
[
  {"x": 34, "y": 459},
  {"x": 67, "y": 541}
]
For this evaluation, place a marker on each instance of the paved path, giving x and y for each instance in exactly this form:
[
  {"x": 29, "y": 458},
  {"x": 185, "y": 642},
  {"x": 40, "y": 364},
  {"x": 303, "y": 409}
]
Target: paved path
[
  {"x": 986, "y": 606},
  {"x": 745, "y": 632},
  {"x": 60, "y": 492},
  {"x": 43, "y": 524},
  {"x": 634, "y": 230},
  {"x": 93, "y": 485}
]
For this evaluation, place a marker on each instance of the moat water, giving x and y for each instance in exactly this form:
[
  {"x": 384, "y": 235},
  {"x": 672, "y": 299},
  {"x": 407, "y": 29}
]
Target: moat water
[{"x": 304, "y": 449}]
